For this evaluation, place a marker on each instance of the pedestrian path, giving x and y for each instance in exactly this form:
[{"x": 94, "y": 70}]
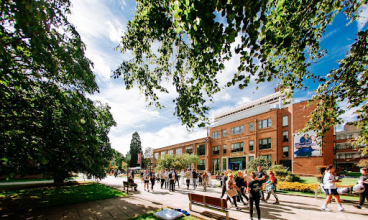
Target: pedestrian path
[{"x": 291, "y": 207}]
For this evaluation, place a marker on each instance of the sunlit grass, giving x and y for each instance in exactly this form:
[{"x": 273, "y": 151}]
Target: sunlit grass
[{"x": 57, "y": 195}]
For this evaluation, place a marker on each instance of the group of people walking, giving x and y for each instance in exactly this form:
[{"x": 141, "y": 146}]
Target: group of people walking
[{"x": 246, "y": 188}]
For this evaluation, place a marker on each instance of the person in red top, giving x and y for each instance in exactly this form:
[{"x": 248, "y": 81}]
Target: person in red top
[{"x": 271, "y": 186}]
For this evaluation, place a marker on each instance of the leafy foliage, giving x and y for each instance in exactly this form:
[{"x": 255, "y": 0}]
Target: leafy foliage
[
  {"x": 259, "y": 161},
  {"x": 48, "y": 125},
  {"x": 177, "y": 162},
  {"x": 274, "y": 39}
]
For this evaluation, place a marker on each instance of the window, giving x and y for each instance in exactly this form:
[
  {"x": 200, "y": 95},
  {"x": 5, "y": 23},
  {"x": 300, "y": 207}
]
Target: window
[
  {"x": 265, "y": 143},
  {"x": 268, "y": 157},
  {"x": 251, "y": 158},
  {"x": 201, "y": 165},
  {"x": 216, "y": 164},
  {"x": 251, "y": 126},
  {"x": 237, "y": 130},
  {"x": 156, "y": 156},
  {"x": 179, "y": 151},
  {"x": 201, "y": 150},
  {"x": 224, "y": 164},
  {"x": 215, "y": 134},
  {"x": 189, "y": 150},
  {"x": 238, "y": 147},
  {"x": 285, "y": 151},
  {"x": 349, "y": 136},
  {"x": 265, "y": 123},
  {"x": 285, "y": 136},
  {"x": 224, "y": 133},
  {"x": 340, "y": 156},
  {"x": 162, "y": 154},
  {"x": 342, "y": 137},
  {"x": 285, "y": 121},
  {"x": 251, "y": 145},
  {"x": 170, "y": 152},
  {"x": 224, "y": 149},
  {"x": 216, "y": 150},
  {"x": 349, "y": 156}
]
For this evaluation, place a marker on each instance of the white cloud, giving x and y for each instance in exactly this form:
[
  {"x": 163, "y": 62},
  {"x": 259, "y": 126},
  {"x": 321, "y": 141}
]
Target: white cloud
[
  {"x": 243, "y": 100},
  {"x": 363, "y": 17},
  {"x": 329, "y": 34},
  {"x": 221, "y": 96}
]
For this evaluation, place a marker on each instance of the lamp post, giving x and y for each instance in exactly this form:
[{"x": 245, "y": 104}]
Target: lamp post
[{"x": 128, "y": 157}]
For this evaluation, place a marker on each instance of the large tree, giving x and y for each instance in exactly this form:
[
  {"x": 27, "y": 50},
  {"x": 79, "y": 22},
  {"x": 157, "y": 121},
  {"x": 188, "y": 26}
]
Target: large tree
[
  {"x": 47, "y": 125},
  {"x": 135, "y": 149},
  {"x": 189, "y": 41}
]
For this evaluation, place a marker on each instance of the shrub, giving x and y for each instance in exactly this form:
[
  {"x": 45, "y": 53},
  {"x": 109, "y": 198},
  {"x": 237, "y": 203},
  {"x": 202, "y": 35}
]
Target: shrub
[
  {"x": 295, "y": 186},
  {"x": 259, "y": 161},
  {"x": 292, "y": 178}
]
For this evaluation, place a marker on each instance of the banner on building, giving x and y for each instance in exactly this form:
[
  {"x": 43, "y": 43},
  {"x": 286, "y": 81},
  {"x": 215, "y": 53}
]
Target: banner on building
[
  {"x": 305, "y": 145},
  {"x": 139, "y": 159}
]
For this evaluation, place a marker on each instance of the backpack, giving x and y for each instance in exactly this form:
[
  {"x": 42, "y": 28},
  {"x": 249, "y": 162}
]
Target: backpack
[
  {"x": 170, "y": 175},
  {"x": 275, "y": 181}
]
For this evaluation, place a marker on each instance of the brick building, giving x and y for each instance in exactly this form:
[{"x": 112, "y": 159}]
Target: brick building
[
  {"x": 347, "y": 156},
  {"x": 266, "y": 127}
]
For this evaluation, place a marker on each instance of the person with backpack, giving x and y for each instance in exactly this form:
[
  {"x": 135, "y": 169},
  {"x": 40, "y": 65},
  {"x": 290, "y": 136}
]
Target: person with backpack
[
  {"x": 254, "y": 189},
  {"x": 364, "y": 181},
  {"x": 152, "y": 178},
  {"x": 188, "y": 176},
  {"x": 146, "y": 177},
  {"x": 194, "y": 176},
  {"x": 330, "y": 188},
  {"x": 172, "y": 180},
  {"x": 176, "y": 178},
  {"x": 271, "y": 186}
]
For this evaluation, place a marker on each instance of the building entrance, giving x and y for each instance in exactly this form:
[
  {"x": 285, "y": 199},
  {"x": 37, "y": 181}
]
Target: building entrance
[{"x": 237, "y": 163}]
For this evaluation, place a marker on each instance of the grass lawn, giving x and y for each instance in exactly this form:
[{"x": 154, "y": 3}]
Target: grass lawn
[
  {"x": 150, "y": 216},
  {"x": 23, "y": 180},
  {"x": 23, "y": 198},
  {"x": 344, "y": 181}
]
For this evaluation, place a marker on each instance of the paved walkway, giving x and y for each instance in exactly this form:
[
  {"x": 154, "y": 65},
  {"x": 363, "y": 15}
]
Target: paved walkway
[{"x": 141, "y": 202}]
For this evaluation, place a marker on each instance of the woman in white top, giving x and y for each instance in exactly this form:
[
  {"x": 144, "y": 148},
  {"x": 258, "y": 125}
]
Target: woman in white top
[
  {"x": 330, "y": 188},
  {"x": 182, "y": 177},
  {"x": 209, "y": 179}
]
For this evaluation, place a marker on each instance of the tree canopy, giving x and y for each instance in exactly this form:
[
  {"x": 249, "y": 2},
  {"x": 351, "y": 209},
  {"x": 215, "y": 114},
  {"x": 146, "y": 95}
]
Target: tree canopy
[
  {"x": 48, "y": 125},
  {"x": 135, "y": 149},
  {"x": 187, "y": 42},
  {"x": 176, "y": 161}
]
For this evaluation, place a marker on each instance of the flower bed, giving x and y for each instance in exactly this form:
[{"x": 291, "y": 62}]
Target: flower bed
[{"x": 295, "y": 186}]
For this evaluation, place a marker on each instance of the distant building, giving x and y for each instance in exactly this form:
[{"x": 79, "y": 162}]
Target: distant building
[
  {"x": 266, "y": 127},
  {"x": 347, "y": 156}
]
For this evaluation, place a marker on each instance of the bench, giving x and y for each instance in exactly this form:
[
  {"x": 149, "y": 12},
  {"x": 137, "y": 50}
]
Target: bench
[
  {"x": 127, "y": 184},
  {"x": 213, "y": 203}
]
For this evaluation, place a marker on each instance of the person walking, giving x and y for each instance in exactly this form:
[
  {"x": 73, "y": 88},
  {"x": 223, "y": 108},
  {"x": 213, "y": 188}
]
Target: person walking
[
  {"x": 224, "y": 179},
  {"x": 188, "y": 176},
  {"x": 209, "y": 179},
  {"x": 172, "y": 180},
  {"x": 182, "y": 177},
  {"x": 271, "y": 187},
  {"x": 205, "y": 180},
  {"x": 230, "y": 184},
  {"x": 167, "y": 179},
  {"x": 146, "y": 178},
  {"x": 194, "y": 177},
  {"x": 363, "y": 180},
  {"x": 239, "y": 181},
  {"x": 176, "y": 177},
  {"x": 261, "y": 176},
  {"x": 162, "y": 178},
  {"x": 330, "y": 188},
  {"x": 152, "y": 178},
  {"x": 254, "y": 188},
  {"x": 142, "y": 179}
]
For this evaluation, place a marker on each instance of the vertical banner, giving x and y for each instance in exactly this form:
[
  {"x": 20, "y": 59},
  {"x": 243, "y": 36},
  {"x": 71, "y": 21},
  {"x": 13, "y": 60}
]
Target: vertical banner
[{"x": 139, "y": 159}]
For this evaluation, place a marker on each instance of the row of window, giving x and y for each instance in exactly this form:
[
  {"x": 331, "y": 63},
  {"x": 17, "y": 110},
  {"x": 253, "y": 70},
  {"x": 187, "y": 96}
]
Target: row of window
[
  {"x": 346, "y": 136},
  {"x": 236, "y": 147},
  {"x": 261, "y": 124},
  {"x": 216, "y": 163}
]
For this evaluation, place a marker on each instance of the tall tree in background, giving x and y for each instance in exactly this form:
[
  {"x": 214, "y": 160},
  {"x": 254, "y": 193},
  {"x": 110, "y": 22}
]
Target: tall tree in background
[
  {"x": 277, "y": 40},
  {"x": 135, "y": 148},
  {"x": 47, "y": 124}
]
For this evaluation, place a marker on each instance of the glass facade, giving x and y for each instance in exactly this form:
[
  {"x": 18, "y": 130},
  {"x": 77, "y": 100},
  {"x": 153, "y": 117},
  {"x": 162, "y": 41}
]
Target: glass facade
[
  {"x": 216, "y": 150},
  {"x": 265, "y": 143},
  {"x": 251, "y": 145},
  {"x": 237, "y": 147},
  {"x": 189, "y": 150},
  {"x": 201, "y": 165},
  {"x": 201, "y": 150},
  {"x": 265, "y": 123},
  {"x": 215, "y": 134},
  {"x": 237, "y": 130}
]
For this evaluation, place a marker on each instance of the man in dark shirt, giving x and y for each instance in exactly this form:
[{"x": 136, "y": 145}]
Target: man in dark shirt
[
  {"x": 261, "y": 176},
  {"x": 254, "y": 189},
  {"x": 194, "y": 176},
  {"x": 131, "y": 181}
]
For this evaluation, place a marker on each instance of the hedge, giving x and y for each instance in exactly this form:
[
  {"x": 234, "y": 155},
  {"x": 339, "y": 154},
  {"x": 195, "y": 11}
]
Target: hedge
[{"x": 295, "y": 186}]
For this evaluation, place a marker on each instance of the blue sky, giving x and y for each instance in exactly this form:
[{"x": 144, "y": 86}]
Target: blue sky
[{"x": 101, "y": 23}]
